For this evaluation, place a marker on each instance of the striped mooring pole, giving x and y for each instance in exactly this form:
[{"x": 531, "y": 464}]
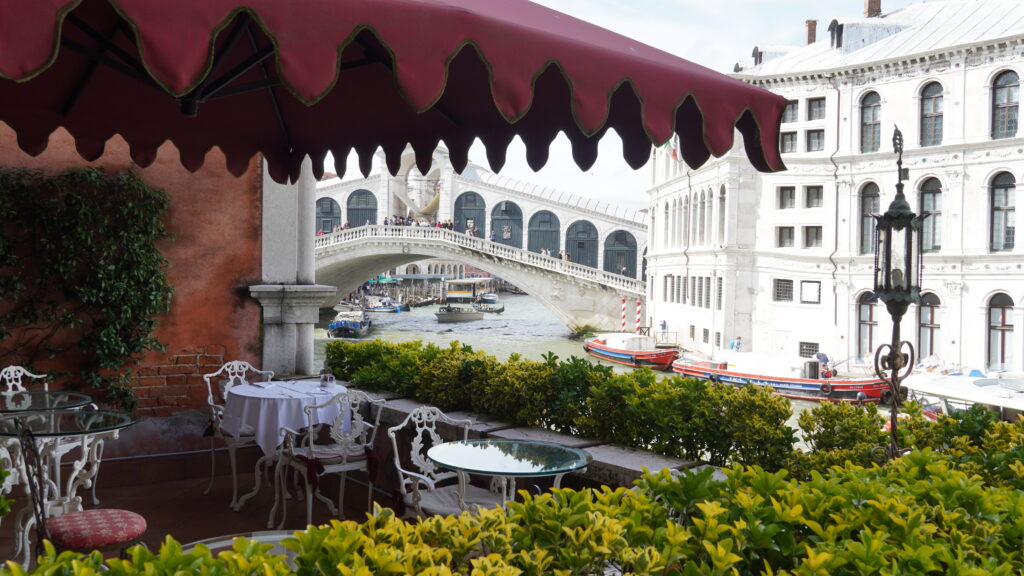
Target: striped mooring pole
[
  {"x": 623, "y": 314},
  {"x": 639, "y": 305}
]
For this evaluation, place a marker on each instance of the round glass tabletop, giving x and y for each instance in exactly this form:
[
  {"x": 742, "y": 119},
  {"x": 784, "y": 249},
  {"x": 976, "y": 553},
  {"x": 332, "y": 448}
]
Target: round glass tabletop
[
  {"x": 495, "y": 457},
  {"x": 39, "y": 399},
  {"x": 64, "y": 422}
]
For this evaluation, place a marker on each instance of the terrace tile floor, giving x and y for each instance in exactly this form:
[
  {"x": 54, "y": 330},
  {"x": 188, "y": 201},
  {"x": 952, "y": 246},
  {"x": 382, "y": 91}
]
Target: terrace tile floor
[{"x": 180, "y": 508}]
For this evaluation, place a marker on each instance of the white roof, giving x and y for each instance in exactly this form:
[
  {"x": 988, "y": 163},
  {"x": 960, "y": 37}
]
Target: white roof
[{"x": 919, "y": 28}]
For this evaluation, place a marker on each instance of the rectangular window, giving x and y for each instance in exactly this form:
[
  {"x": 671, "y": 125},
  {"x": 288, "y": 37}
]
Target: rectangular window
[
  {"x": 718, "y": 294},
  {"x": 787, "y": 197},
  {"x": 707, "y": 334},
  {"x": 792, "y": 111},
  {"x": 810, "y": 292},
  {"x": 693, "y": 332},
  {"x": 787, "y": 142},
  {"x": 700, "y": 292},
  {"x": 784, "y": 237},
  {"x": 782, "y": 290},
  {"x": 679, "y": 290},
  {"x": 808, "y": 349},
  {"x": 815, "y": 140},
  {"x": 693, "y": 291},
  {"x": 686, "y": 284},
  {"x": 718, "y": 339},
  {"x": 666, "y": 289},
  {"x": 814, "y": 197},
  {"x": 815, "y": 108},
  {"x": 707, "y": 292},
  {"x": 812, "y": 236}
]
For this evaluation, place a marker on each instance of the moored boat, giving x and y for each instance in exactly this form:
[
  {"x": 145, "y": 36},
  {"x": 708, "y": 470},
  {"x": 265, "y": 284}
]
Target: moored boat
[
  {"x": 349, "y": 324},
  {"x": 418, "y": 301},
  {"x": 490, "y": 308},
  {"x": 488, "y": 298},
  {"x": 457, "y": 314},
  {"x": 630, "y": 350},
  {"x": 951, "y": 393},
  {"x": 382, "y": 305},
  {"x": 798, "y": 380}
]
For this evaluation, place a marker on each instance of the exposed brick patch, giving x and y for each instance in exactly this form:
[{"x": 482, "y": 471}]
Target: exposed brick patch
[{"x": 175, "y": 381}]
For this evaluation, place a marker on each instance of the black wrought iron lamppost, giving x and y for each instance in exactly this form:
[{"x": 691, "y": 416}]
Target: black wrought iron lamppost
[{"x": 897, "y": 282}]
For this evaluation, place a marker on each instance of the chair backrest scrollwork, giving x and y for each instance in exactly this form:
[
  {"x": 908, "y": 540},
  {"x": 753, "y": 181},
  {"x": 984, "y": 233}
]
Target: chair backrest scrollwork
[
  {"x": 12, "y": 379},
  {"x": 231, "y": 374},
  {"x": 353, "y": 429},
  {"x": 423, "y": 424}
]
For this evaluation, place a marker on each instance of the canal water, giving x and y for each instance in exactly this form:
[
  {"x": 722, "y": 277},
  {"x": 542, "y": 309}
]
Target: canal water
[{"x": 526, "y": 328}]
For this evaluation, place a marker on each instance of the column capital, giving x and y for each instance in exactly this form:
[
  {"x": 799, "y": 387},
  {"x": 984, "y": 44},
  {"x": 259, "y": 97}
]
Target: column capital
[{"x": 293, "y": 303}]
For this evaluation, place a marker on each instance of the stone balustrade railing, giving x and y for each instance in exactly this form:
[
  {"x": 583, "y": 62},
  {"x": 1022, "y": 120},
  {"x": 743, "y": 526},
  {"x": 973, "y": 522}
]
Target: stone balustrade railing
[{"x": 458, "y": 239}]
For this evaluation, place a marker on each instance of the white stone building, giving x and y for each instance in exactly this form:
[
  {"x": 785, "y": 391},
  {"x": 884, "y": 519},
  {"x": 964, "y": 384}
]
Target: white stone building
[{"x": 785, "y": 260}]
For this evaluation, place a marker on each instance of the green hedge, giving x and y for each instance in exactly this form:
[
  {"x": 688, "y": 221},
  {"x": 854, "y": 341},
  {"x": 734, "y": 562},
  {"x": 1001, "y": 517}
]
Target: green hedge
[
  {"x": 678, "y": 417},
  {"x": 918, "y": 515}
]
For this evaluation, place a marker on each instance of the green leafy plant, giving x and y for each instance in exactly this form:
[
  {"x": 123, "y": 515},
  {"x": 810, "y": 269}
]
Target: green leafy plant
[{"x": 80, "y": 273}]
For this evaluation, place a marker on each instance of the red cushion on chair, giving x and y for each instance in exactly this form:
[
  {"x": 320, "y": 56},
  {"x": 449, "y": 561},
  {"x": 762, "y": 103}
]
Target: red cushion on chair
[{"x": 89, "y": 529}]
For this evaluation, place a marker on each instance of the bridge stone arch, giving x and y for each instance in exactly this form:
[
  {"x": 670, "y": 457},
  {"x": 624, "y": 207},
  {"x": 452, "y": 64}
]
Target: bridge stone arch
[
  {"x": 578, "y": 295},
  {"x": 507, "y": 223},
  {"x": 544, "y": 232},
  {"x": 471, "y": 210},
  {"x": 362, "y": 207},
  {"x": 620, "y": 253},
  {"x": 581, "y": 243}
]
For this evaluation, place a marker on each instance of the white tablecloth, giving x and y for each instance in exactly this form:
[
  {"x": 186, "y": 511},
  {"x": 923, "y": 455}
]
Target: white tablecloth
[{"x": 268, "y": 406}]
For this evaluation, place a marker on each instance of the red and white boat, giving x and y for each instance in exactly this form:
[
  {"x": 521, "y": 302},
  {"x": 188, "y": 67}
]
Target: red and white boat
[
  {"x": 799, "y": 380},
  {"x": 630, "y": 350}
]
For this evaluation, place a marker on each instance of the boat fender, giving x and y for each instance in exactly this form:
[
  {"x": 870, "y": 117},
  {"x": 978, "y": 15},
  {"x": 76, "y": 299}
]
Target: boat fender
[
  {"x": 885, "y": 397},
  {"x": 826, "y": 389}
]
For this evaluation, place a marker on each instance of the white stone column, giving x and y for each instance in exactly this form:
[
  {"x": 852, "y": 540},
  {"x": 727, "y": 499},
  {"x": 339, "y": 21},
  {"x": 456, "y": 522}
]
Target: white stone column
[{"x": 290, "y": 298}]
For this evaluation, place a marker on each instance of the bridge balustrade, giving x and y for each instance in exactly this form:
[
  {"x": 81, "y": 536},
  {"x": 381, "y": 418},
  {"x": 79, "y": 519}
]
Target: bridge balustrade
[{"x": 483, "y": 246}]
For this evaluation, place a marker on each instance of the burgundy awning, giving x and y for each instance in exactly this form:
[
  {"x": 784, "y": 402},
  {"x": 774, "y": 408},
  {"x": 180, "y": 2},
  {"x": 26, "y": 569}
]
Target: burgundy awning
[{"x": 289, "y": 78}]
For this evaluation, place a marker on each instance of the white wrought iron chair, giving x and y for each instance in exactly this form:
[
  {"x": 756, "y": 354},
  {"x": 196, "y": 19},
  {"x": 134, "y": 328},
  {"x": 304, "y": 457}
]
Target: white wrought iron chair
[
  {"x": 13, "y": 382},
  {"x": 218, "y": 384},
  {"x": 426, "y": 487},
  {"x": 347, "y": 447}
]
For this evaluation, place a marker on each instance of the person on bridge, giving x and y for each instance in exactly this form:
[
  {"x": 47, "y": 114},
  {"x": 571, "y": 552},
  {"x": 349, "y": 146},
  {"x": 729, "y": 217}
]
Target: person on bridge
[{"x": 492, "y": 237}]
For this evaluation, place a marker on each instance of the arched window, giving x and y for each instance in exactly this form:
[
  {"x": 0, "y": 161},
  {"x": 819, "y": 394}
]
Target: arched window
[
  {"x": 544, "y": 233},
  {"x": 869, "y": 204},
  {"x": 931, "y": 114},
  {"x": 931, "y": 211},
  {"x": 700, "y": 221},
  {"x": 1005, "y": 100},
  {"x": 686, "y": 222},
  {"x": 1000, "y": 332},
  {"x": 928, "y": 325},
  {"x": 328, "y": 215},
  {"x": 710, "y": 223},
  {"x": 667, "y": 227},
  {"x": 581, "y": 243},
  {"x": 721, "y": 215},
  {"x": 620, "y": 253},
  {"x": 1001, "y": 212},
  {"x": 866, "y": 324},
  {"x": 507, "y": 223},
  {"x": 470, "y": 211},
  {"x": 870, "y": 122},
  {"x": 362, "y": 208},
  {"x": 694, "y": 219}
]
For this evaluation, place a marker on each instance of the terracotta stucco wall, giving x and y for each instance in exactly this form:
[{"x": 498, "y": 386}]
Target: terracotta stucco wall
[{"x": 214, "y": 256}]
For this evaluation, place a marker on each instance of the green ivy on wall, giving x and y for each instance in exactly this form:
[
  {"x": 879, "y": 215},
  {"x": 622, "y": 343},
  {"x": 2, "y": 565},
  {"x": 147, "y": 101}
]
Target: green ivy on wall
[{"x": 80, "y": 274}]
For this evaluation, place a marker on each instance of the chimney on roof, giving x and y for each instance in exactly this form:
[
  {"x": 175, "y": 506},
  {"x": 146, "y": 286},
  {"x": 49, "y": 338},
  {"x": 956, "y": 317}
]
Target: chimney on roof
[
  {"x": 872, "y": 8},
  {"x": 812, "y": 31}
]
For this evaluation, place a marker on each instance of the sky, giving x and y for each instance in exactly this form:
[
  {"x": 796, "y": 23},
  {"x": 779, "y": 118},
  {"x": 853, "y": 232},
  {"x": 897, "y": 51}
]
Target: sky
[{"x": 713, "y": 33}]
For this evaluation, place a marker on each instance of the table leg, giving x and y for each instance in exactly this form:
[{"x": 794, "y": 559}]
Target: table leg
[{"x": 265, "y": 461}]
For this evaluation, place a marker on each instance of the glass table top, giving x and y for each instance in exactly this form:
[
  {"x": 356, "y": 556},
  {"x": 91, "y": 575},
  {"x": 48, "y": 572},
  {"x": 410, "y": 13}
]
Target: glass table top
[
  {"x": 497, "y": 457},
  {"x": 64, "y": 422},
  {"x": 39, "y": 399}
]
